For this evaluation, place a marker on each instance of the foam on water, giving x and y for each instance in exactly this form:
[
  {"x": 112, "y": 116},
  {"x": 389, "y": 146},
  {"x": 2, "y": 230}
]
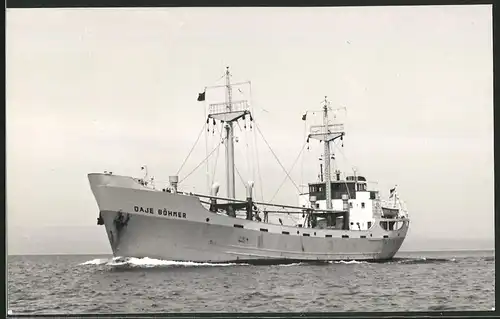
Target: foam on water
[
  {"x": 151, "y": 262},
  {"x": 96, "y": 262},
  {"x": 423, "y": 260},
  {"x": 288, "y": 265},
  {"x": 349, "y": 262}
]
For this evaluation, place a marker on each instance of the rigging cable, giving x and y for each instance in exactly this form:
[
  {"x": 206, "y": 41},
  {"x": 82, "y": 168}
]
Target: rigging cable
[
  {"x": 345, "y": 181},
  {"x": 247, "y": 156},
  {"x": 245, "y": 153},
  {"x": 256, "y": 147},
  {"x": 206, "y": 138},
  {"x": 247, "y": 149},
  {"x": 302, "y": 160},
  {"x": 206, "y": 147},
  {"x": 276, "y": 157},
  {"x": 202, "y": 161},
  {"x": 199, "y": 135},
  {"x": 249, "y": 146},
  {"x": 241, "y": 178},
  {"x": 236, "y": 168},
  {"x": 216, "y": 156},
  {"x": 293, "y": 165}
]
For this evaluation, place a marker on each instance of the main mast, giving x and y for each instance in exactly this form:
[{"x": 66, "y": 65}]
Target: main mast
[
  {"x": 228, "y": 112},
  {"x": 229, "y": 141},
  {"x": 327, "y": 159},
  {"x": 327, "y": 133}
]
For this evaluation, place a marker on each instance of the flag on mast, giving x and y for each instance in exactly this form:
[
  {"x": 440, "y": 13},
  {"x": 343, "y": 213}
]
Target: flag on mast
[
  {"x": 201, "y": 96},
  {"x": 392, "y": 192}
]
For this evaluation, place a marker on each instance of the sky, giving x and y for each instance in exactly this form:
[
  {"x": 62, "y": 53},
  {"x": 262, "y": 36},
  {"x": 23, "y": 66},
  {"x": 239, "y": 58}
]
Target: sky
[{"x": 90, "y": 90}]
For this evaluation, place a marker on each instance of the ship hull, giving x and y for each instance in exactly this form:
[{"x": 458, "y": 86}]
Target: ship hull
[{"x": 141, "y": 222}]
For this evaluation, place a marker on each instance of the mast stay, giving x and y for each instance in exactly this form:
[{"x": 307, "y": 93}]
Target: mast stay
[{"x": 228, "y": 113}]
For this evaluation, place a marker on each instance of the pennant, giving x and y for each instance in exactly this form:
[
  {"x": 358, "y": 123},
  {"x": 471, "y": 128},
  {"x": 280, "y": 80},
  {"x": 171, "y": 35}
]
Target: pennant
[
  {"x": 304, "y": 117},
  {"x": 392, "y": 190},
  {"x": 201, "y": 96}
]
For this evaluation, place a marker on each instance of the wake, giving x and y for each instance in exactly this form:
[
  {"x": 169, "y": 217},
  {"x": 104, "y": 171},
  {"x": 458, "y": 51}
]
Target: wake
[{"x": 132, "y": 262}]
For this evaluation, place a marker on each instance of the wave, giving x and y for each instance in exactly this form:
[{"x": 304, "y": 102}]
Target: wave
[
  {"x": 96, "y": 261},
  {"x": 418, "y": 260},
  {"x": 348, "y": 262},
  {"x": 422, "y": 260},
  {"x": 292, "y": 264},
  {"x": 132, "y": 262}
]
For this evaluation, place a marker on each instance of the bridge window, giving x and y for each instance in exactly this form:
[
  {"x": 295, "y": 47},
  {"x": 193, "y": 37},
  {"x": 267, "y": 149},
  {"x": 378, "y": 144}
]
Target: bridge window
[
  {"x": 285, "y": 233},
  {"x": 328, "y": 236},
  {"x": 350, "y": 205},
  {"x": 263, "y": 229},
  {"x": 238, "y": 226},
  {"x": 305, "y": 234},
  {"x": 345, "y": 236},
  {"x": 398, "y": 225},
  {"x": 369, "y": 225}
]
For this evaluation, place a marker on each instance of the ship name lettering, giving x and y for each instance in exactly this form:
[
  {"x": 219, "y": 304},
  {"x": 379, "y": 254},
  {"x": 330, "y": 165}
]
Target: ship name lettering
[
  {"x": 147, "y": 210},
  {"x": 171, "y": 213}
]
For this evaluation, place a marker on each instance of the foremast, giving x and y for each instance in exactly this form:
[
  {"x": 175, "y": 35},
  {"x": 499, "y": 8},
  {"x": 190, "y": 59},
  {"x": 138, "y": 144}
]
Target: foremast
[
  {"x": 229, "y": 140},
  {"x": 228, "y": 112},
  {"x": 327, "y": 133}
]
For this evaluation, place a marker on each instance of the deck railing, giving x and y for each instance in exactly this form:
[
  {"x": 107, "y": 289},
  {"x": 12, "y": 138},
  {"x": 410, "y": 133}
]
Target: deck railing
[
  {"x": 331, "y": 128},
  {"x": 236, "y": 106}
]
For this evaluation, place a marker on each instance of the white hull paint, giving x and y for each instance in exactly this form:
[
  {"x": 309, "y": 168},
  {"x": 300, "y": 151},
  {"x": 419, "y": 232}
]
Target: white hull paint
[{"x": 186, "y": 231}]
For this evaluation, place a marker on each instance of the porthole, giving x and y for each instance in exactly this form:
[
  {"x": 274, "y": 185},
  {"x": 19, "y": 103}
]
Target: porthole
[{"x": 208, "y": 219}]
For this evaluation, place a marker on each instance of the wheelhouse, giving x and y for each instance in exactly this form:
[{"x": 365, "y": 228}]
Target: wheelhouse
[{"x": 349, "y": 186}]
